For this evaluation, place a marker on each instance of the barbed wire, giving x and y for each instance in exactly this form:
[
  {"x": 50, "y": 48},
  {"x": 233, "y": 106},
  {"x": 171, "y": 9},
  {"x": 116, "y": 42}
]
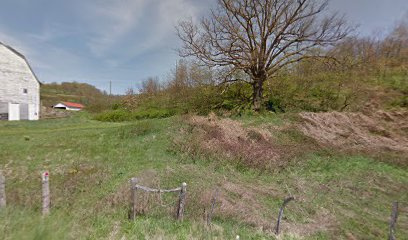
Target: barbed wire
[{"x": 148, "y": 189}]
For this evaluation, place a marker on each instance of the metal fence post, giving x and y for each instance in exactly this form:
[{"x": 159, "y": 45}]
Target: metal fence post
[{"x": 285, "y": 202}]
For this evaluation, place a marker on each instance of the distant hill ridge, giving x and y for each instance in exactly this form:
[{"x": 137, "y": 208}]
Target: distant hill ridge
[
  {"x": 93, "y": 98},
  {"x": 69, "y": 91}
]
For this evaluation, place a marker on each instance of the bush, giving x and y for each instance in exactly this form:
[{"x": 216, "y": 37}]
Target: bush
[{"x": 113, "y": 116}]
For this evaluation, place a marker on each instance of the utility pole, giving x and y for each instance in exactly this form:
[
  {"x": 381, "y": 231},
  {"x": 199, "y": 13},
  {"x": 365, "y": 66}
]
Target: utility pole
[
  {"x": 110, "y": 88},
  {"x": 176, "y": 69}
]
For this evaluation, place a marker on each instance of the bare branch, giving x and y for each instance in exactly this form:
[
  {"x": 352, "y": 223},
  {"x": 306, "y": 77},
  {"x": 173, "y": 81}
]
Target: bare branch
[{"x": 260, "y": 37}]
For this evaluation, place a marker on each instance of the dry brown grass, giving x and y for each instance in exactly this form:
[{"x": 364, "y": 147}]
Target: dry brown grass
[
  {"x": 228, "y": 139},
  {"x": 242, "y": 202},
  {"x": 322, "y": 221},
  {"x": 383, "y": 135},
  {"x": 245, "y": 202},
  {"x": 377, "y": 133}
]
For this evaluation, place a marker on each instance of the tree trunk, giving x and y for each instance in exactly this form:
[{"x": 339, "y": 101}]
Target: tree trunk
[{"x": 257, "y": 95}]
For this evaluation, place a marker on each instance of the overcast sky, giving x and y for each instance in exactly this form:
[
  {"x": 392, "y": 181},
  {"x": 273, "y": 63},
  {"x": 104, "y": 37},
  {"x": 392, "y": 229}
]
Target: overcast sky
[{"x": 126, "y": 41}]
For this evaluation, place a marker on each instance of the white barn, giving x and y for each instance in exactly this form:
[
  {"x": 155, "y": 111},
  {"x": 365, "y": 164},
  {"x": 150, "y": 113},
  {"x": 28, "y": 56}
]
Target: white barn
[{"x": 19, "y": 87}]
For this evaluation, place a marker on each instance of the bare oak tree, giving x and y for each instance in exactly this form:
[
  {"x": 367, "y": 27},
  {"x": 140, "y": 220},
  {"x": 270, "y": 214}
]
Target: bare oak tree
[{"x": 260, "y": 37}]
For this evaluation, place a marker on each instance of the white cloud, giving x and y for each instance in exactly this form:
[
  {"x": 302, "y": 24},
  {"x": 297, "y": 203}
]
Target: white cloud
[
  {"x": 43, "y": 56},
  {"x": 104, "y": 39},
  {"x": 169, "y": 14},
  {"x": 8, "y": 38},
  {"x": 52, "y": 32},
  {"x": 28, "y": 49},
  {"x": 136, "y": 25},
  {"x": 110, "y": 21}
]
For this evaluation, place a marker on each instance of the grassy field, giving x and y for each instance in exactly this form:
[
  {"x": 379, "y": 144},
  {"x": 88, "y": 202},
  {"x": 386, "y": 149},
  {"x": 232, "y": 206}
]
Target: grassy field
[{"x": 90, "y": 163}]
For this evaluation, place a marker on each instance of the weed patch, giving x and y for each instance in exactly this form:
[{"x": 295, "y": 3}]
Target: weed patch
[{"x": 226, "y": 139}]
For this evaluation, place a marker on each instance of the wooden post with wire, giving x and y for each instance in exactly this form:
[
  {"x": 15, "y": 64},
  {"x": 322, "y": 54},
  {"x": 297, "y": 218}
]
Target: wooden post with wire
[
  {"x": 134, "y": 186},
  {"x": 133, "y": 200},
  {"x": 393, "y": 221},
  {"x": 2, "y": 190},
  {"x": 45, "y": 194},
  {"x": 182, "y": 202},
  {"x": 213, "y": 202}
]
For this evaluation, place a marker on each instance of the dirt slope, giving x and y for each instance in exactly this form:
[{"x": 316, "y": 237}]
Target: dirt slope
[
  {"x": 230, "y": 139},
  {"x": 380, "y": 131},
  {"x": 267, "y": 146}
]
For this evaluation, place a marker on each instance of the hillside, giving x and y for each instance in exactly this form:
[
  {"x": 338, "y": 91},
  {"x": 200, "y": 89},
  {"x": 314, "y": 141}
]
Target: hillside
[
  {"x": 94, "y": 99},
  {"x": 341, "y": 192}
]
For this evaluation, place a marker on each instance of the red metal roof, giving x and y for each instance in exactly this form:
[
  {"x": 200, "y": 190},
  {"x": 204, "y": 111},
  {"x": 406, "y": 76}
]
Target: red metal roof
[{"x": 74, "y": 105}]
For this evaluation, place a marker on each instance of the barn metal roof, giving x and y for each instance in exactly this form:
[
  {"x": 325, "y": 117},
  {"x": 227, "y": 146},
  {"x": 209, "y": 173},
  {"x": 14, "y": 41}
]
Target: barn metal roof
[
  {"x": 72, "y": 104},
  {"x": 23, "y": 57}
]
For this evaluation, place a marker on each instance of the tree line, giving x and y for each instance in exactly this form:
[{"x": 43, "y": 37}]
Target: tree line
[
  {"x": 280, "y": 56},
  {"x": 339, "y": 72}
]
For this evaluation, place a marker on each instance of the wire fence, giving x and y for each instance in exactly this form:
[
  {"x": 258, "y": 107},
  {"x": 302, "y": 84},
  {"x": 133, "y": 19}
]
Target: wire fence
[
  {"x": 181, "y": 202},
  {"x": 136, "y": 189}
]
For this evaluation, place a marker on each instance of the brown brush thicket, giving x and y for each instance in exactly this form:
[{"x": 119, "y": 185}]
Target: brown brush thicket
[
  {"x": 265, "y": 147},
  {"x": 361, "y": 72},
  {"x": 228, "y": 139},
  {"x": 189, "y": 87}
]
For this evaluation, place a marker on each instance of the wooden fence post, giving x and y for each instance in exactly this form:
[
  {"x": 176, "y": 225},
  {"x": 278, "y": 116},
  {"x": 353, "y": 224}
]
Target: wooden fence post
[
  {"x": 45, "y": 194},
  {"x": 393, "y": 221},
  {"x": 213, "y": 202},
  {"x": 133, "y": 188},
  {"x": 285, "y": 202},
  {"x": 182, "y": 202},
  {"x": 2, "y": 190}
]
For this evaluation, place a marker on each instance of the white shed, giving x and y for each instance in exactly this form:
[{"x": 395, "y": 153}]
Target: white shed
[
  {"x": 71, "y": 106},
  {"x": 19, "y": 87}
]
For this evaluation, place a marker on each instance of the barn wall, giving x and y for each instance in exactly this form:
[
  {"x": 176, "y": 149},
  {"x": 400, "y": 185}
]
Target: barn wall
[
  {"x": 15, "y": 76},
  {"x": 24, "y": 111},
  {"x": 3, "y": 107},
  {"x": 3, "y": 111}
]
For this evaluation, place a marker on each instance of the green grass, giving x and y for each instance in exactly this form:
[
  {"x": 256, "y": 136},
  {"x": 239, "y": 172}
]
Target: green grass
[
  {"x": 90, "y": 163},
  {"x": 265, "y": 118},
  {"x": 122, "y": 115}
]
